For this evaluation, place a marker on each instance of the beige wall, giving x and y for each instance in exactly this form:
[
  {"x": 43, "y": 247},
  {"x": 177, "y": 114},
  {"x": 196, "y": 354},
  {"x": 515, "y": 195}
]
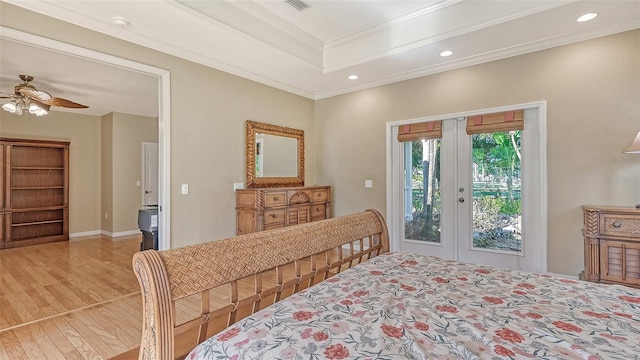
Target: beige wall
[
  {"x": 84, "y": 158},
  {"x": 122, "y": 137},
  {"x": 593, "y": 94},
  {"x": 106, "y": 204},
  {"x": 128, "y": 134},
  {"x": 207, "y": 142}
]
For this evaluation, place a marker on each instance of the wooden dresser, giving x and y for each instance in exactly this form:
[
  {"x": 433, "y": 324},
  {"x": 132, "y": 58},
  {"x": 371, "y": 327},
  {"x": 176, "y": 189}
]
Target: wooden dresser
[
  {"x": 271, "y": 208},
  {"x": 611, "y": 245}
]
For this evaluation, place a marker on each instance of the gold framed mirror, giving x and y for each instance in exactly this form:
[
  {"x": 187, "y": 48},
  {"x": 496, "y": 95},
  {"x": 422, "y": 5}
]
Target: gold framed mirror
[{"x": 275, "y": 155}]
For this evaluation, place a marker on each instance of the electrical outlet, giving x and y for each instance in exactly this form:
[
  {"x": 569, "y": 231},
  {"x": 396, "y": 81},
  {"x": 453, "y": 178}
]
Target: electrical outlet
[
  {"x": 368, "y": 184},
  {"x": 237, "y": 186}
]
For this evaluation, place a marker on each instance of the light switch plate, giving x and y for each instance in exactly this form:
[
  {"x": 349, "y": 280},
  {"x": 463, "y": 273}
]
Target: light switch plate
[
  {"x": 185, "y": 189},
  {"x": 368, "y": 184}
]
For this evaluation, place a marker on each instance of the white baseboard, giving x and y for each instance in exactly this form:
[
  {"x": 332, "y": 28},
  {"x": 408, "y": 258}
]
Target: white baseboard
[
  {"x": 120, "y": 233},
  {"x": 105, "y": 233},
  {"x": 84, "y": 233},
  {"x": 563, "y": 276}
]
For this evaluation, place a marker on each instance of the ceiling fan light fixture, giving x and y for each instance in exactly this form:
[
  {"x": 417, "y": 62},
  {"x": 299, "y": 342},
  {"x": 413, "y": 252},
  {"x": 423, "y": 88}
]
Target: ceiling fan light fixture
[
  {"x": 11, "y": 107},
  {"x": 14, "y": 107},
  {"x": 38, "y": 110}
]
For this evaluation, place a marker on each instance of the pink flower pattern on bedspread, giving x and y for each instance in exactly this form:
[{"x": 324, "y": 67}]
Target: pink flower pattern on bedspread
[{"x": 409, "y": 306}]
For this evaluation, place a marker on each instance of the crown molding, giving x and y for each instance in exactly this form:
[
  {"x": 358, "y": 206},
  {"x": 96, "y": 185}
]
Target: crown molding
[
  {"x": 517, "y": 50},
  {"x": 382, "y": 40},
  {"x": 271, "y": 57},
  {"x": 289, "y": 65}
]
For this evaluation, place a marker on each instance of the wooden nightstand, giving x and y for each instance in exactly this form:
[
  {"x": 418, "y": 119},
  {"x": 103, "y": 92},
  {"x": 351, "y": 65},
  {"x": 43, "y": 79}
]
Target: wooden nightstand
[{"x": 611, "y": 245}]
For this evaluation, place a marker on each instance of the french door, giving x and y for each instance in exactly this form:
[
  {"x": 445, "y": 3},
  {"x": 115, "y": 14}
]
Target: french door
[{"x": 472, "y": 198}]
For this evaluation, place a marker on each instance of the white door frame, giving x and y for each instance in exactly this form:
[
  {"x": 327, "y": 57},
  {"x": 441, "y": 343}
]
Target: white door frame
[
  {"x": 164, "y": 111},
  {"x": 145, "y": 161},
  {"x": 537, "y": 218}
]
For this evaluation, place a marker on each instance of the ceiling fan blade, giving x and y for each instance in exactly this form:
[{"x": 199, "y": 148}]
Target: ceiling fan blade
[
  {"x": 39, "y": 95},
  {"x": 64, "y": 103},
  {"x": 4, "y": 95},
  {"x": 46, "y": 98}
]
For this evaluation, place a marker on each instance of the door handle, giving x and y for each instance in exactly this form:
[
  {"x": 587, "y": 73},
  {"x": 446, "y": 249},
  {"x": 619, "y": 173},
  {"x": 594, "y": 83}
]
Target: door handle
[
  {"x": 461, "y": 200},
  {"x": 147, "y": 192}
]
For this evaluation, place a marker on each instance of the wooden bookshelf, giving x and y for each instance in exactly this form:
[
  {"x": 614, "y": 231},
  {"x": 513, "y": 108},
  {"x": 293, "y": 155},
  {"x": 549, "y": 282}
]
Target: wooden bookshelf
[{"x": 35, "y": 196}]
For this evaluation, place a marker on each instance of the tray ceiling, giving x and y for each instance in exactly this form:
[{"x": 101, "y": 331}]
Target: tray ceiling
[{"x": 311, "y": 52}]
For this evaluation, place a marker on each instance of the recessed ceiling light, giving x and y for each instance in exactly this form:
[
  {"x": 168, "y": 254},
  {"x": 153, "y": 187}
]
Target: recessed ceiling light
[
  {"x": 446, "y": 53},
  {"x": 120, "y": 21},
  {"x": 587, "y": 17},
  {"x": 353, "y": 77}
]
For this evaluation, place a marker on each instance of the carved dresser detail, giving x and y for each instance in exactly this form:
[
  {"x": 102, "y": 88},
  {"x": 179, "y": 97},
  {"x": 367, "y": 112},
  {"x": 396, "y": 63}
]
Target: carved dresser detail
[
  {"x": 272, "y": 208},
  {"x": 611, "y": 245}
]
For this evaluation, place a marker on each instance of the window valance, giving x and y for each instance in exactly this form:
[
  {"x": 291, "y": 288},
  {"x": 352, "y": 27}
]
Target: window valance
[
  {"x": 420, "y": 131},
  {"x": 496, "y": 122}
]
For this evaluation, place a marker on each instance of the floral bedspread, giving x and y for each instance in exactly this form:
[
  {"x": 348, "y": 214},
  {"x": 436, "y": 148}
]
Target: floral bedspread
[{"x": 409, "y": 306}]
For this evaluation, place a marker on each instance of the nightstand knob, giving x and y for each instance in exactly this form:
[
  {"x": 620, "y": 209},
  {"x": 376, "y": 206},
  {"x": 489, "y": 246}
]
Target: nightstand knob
[{"x": 616, "y": 224}]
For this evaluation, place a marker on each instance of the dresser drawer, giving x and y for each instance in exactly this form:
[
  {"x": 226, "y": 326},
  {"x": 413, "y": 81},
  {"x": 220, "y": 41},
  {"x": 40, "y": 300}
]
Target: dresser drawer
[
  {"x": 273, "y": 226},
  {"x": 273, "y": 217},
  {"x": 318, "y": 212},
  {"x": 319, "y": 196},
  {"x": 620, "y": 225},
  {"x": 272, "y": 199}
]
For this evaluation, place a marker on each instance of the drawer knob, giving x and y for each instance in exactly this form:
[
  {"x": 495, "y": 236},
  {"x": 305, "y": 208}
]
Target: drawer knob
[
  {"x": 275, "y": 198},
  {"x": 616, "y": 224},
  {"x": 274, "y": 216}
]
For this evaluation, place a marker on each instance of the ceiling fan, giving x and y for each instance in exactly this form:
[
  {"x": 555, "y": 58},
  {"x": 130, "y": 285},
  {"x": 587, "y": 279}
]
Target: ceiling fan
[{"x": 37, "y": 102}]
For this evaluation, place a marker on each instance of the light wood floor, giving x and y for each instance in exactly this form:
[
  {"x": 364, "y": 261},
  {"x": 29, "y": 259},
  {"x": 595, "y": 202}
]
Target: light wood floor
[
  {"x": 81, "y": 300},
  {"x": 70, "y": 300}
]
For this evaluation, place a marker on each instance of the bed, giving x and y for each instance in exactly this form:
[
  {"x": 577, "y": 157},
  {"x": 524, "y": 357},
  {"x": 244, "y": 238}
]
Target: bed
[{"x": 391, "y": 305}]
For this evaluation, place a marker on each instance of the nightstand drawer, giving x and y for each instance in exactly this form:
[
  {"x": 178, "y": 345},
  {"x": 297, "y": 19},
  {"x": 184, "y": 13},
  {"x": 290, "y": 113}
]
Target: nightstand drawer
[
  {"x": 272, "y": 199},
  {"x": 620, "y": 225}
]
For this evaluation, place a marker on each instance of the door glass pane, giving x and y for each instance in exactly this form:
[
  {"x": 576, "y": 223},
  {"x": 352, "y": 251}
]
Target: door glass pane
[
  {"x": 497, "y": 201},
  {"x": 422, "y": 190}
]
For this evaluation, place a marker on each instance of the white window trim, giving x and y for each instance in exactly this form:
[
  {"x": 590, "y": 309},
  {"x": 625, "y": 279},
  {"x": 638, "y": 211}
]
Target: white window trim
[{"x": 393, "y": 203}]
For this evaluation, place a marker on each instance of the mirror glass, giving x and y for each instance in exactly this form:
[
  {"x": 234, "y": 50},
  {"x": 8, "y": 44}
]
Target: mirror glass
[{"x": 275, "y": 155}]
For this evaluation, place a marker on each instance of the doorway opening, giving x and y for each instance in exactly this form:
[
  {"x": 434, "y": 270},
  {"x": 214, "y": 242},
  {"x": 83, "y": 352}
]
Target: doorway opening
[{"x": 163, "y": 78}]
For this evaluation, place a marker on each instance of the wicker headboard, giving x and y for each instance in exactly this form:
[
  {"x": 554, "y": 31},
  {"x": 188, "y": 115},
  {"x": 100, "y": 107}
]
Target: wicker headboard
[{"x": 193, "y": 292}]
